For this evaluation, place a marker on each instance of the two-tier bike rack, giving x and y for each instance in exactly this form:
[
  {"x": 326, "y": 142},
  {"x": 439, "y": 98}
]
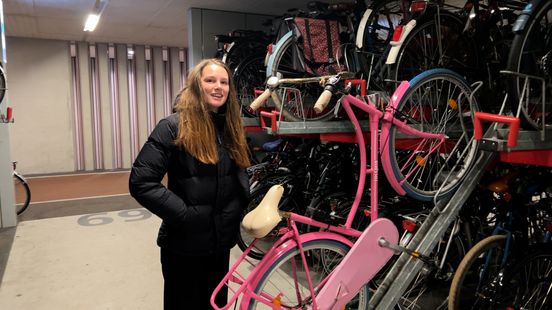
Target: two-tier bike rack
[{"x": 497, "y": 143}]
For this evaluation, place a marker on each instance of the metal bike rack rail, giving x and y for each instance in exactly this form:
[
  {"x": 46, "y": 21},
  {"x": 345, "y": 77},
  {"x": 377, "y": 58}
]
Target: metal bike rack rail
[
  {"x": 406, "y": 267},
  {"x": 432, "y": 230}
]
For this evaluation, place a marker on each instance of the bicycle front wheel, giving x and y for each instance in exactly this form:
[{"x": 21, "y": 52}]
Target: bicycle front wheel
[
  {"x": 437, "y": 101},
  {"x": 22, "y": 194},
  {"x": 477, "y": 279},
  {"x": 286, "y": 279},
  {"x": 297, "y": 100},
  {"x": 531, "y": 54}
]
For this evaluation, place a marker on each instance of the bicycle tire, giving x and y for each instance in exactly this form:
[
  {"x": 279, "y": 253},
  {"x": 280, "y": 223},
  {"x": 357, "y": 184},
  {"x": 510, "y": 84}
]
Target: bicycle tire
[
  {"x": 531, "y": 54},
  {"x": 3, "y": 85},
  {"x": 528, "y": 280},
  {"x": 21, "y": 190},
  {"x": 287, "y": 62},
  {"x": 420, "y": 51},
  {"x": 286, "y": 204},
  {"x": 426, "y": 106},
  {"x": 244, "y": 48},
  {"x": 318, "y": 251},
  {"x": 468, "y": 273}
]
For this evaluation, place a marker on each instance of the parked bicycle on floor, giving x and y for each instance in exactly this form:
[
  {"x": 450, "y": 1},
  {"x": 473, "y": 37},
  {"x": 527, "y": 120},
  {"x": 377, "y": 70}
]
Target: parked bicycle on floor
[{"x": 22, "y": 191}]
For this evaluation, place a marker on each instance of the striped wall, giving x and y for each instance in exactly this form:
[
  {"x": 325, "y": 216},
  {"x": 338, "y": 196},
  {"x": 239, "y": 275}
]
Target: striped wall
[{"x": 82, "y": 106}]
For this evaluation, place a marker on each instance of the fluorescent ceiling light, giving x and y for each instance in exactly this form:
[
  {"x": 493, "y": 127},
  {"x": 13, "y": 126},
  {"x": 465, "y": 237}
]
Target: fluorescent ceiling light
[
  {"x": 91, "y": 22},
  {"x": 94, "y": 16}
]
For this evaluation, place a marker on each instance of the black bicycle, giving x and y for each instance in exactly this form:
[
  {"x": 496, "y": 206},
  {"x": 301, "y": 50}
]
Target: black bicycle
[
  {"x": 530, "y": 61},
  {"x": 2, "y": 82},
  {"x": 22, "y": 191}
]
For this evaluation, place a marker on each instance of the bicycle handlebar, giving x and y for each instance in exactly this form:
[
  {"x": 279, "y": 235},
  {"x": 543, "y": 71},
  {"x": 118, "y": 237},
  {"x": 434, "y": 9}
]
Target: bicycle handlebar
[
  {"x": 274, "y": 82},
  {"x": 323, "y": 101},
  {"x": 258, "y": 102}
]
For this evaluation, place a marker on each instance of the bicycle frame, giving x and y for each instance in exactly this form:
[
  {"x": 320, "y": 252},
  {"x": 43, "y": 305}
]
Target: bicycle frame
[{"x": 344, "y": 282}]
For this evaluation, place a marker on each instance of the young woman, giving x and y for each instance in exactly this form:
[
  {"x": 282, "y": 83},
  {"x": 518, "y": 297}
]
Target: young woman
[{"x": 203, "y": 150}]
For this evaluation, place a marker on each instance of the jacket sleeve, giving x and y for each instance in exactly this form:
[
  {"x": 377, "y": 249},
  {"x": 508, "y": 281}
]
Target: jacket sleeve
[
  {"x": 148, "y": 170},
  {"x": 244, "y": 182}
]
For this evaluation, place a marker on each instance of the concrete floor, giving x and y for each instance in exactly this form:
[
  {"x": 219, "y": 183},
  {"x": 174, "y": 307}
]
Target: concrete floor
[
  {"x": 83, "y": 243},
  {"x": 106, "y": 260}
]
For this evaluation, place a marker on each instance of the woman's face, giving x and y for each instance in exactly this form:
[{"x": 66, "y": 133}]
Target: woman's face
[{"x": 215, "y": 86}]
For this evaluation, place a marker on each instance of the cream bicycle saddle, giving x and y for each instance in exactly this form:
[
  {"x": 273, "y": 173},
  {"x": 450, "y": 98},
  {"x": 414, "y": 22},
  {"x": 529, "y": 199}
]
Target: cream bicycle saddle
[{"x": 261, "y": 220}]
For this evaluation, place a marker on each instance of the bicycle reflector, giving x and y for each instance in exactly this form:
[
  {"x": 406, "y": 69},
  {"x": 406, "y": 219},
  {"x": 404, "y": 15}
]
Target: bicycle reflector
[
  {"x": 269, "y": 48},
  {"x": 409, "y": 226},
  {"x": 397, "y": 33},
  {"x": 418, "y": 6}
]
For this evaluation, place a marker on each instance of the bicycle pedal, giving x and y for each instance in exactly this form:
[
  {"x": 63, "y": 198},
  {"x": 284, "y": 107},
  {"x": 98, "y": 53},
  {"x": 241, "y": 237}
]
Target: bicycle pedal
[{"x": 401, "y": 249}]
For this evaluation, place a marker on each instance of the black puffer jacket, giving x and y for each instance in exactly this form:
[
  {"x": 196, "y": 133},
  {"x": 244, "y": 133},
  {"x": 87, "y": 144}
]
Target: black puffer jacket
[{"x": 201, "y": 206}]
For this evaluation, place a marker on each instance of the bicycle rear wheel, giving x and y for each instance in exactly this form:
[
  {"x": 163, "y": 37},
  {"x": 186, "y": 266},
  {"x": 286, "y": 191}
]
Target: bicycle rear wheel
[
  {"x": 22, "y": 194},
  {"x": 476, "y": 282},
  {"x": 286, "y": 276},
  {"x": 437, "y": 43},
  {"x": 531, "y": 54},
  {"x": 436, "y": 101},
  {"x": 249, "y": 75}
]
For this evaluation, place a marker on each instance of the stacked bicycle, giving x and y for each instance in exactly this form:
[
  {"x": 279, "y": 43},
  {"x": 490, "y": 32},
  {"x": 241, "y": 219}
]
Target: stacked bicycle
[
  {"x": 321, "y": 268},
  {"x": 314, "y": 47},
  {"x": 529, "y": 97},
  {"x": 511, "y": 268}
]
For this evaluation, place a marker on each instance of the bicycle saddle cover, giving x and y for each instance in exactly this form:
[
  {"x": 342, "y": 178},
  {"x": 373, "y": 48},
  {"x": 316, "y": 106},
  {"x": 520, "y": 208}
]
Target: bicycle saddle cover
[{"x": 261, "y": 220}]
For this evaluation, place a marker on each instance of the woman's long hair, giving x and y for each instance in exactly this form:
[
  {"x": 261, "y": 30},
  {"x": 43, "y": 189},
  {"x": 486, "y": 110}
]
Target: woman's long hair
[{"x": 196, "y": 131}]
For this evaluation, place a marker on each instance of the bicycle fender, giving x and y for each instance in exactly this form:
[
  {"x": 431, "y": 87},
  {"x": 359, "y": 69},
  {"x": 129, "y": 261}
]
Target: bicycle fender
[
  {"x": 275, "y": 49},
  {"x": 522, "y": 19},
  {"x": 396, "y": 45},
  {"x": 358, "y": 267},
  {"x": 311, "y": 237},
  {"x": 225, "y": 55},
  {"x": 361, "y": 27},
  {"x": 384, "y": 137}
]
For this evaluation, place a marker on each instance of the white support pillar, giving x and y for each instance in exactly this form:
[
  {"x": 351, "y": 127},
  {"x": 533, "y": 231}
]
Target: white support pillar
[{"x": 7, "y": 195}]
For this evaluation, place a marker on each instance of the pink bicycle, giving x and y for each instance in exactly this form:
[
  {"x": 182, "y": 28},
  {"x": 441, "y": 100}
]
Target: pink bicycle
[{"x": 426, "y": 148}]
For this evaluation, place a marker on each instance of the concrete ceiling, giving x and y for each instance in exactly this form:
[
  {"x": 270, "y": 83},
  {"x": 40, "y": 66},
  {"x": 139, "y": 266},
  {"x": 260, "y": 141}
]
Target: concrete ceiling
[{"x": 149, "y": 22}]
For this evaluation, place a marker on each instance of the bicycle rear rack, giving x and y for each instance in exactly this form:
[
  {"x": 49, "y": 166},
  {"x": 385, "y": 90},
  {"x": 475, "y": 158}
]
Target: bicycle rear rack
[{"x": 236, "y": 279}]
